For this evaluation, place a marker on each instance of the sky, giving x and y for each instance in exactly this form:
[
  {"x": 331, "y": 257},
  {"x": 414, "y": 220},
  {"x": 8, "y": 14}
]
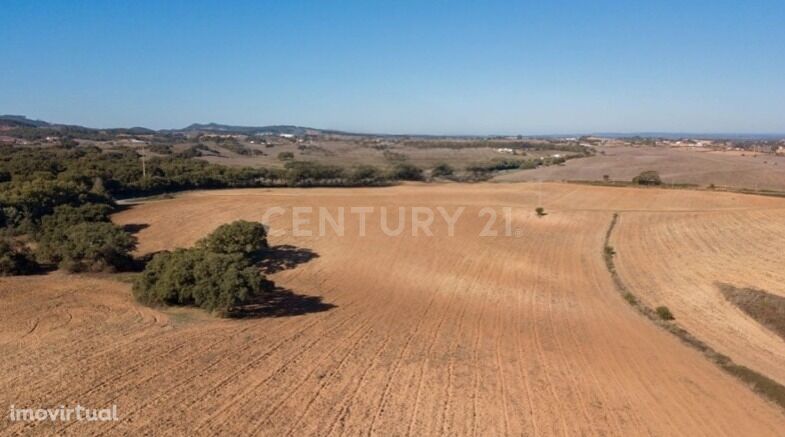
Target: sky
[{"x": 427, "y": 66}]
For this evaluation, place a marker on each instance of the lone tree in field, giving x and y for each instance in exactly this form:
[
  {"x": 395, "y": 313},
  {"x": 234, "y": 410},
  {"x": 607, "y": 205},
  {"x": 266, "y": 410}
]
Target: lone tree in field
[
  {"x": 540, "y": 211},
  {"x": 649, "y": 177}
]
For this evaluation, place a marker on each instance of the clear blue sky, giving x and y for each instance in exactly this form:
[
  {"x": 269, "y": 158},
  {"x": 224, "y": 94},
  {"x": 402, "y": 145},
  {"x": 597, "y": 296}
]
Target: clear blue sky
[{"x": 454, "y": 67}]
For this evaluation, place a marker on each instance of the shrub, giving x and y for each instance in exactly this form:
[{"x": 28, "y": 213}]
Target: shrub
[
  {"x": 610, "y": 251},
  {"x": 243, "y": 237},
  {"x": 664, "y": 313},
  {"x": 406, "y": 172},
  {"x": 213, "y": 281},
  {"x": 87, "y": 246},
  {"x": 442, "y": 169},
  {"x": 285, "y": 156},
  {"x": 540, "y": 211},
  {"x": 649, "y": 177},
  {"x": 366, "y": 175},
  {"x": 15, "y": 259}
]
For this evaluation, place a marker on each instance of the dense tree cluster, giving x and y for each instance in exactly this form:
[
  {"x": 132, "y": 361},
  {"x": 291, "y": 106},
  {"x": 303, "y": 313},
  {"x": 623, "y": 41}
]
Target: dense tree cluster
[{"x": 217, "y": 275}]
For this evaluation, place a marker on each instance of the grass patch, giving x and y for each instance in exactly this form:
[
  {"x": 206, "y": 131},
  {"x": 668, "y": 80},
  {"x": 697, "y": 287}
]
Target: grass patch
[
  {"x": 760, "y": 383},
  {"x": 766, "y": 308},
  {"x": 126, "y": 277}
]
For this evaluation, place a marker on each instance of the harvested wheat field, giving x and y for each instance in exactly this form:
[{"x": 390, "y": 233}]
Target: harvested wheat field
[
  {"x": 682, "y": 259},
  {"x": 522, "y": 333},
  {"x": 675, "y": 165}
]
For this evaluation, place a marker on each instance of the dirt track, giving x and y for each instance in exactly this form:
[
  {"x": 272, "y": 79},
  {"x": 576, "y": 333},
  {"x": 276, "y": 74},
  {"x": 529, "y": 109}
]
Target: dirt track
[{"x": 520, "y": 334}]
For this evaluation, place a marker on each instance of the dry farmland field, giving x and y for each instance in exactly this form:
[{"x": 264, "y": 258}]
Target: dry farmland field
[
  {"x": 521, "y": 333},
  {"x": 676, "y": 165}
]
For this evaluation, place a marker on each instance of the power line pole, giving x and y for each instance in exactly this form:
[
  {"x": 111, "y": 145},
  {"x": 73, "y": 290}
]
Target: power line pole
[{"x": 144, "y": 165}]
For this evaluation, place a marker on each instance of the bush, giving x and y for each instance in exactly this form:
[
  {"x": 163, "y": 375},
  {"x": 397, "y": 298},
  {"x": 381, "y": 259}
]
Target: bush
[
  {"x": 15, "y": 259},
  {"x": 610, "y": 251},
  {"x": 285, "y": 156},
  {"x": 540, "y": 211},
  {"x": 213, "y": 281},
  {"x": 664, "y": 313},
  {"x": 243, "y": 237},
  {"x": 442, "y": 169},
  {"x": 366, "y": 175},
  {"x": 647, "y": 178},
  {"x": 88, "y": 246},
  {"x": 406, "y": 172}
]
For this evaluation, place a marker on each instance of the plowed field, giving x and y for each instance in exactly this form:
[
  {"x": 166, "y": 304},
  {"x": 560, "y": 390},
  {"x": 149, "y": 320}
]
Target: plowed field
[{"x": 522, "y": 333}]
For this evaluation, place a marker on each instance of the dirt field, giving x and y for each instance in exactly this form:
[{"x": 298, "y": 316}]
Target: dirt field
[
  {"x": 519, "y": 334},
  {"x": 675, "y": 165}
]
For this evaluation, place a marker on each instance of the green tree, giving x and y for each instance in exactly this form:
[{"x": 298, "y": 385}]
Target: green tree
[
  {"x": 213, "y": 281},
  {"x": 241, "y": 236},
  {"x": 15, "y": 259},
  {"x": 88, "y": 246},
  {"x": 649, "y": 177}
]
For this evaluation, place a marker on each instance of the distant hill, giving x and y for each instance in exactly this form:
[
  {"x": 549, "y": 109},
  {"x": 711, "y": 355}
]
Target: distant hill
[
  {"x": 254, "y": 130},
  {"x": 21, "y": 121}
]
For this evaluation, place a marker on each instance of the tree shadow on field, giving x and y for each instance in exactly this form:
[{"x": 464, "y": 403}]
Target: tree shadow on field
[
  {"x": 134, "y": 228},
  {"x": 280, "y": 302},
  {"x": 277, "y": 301},
  {"x": 284, "y": 257}
]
